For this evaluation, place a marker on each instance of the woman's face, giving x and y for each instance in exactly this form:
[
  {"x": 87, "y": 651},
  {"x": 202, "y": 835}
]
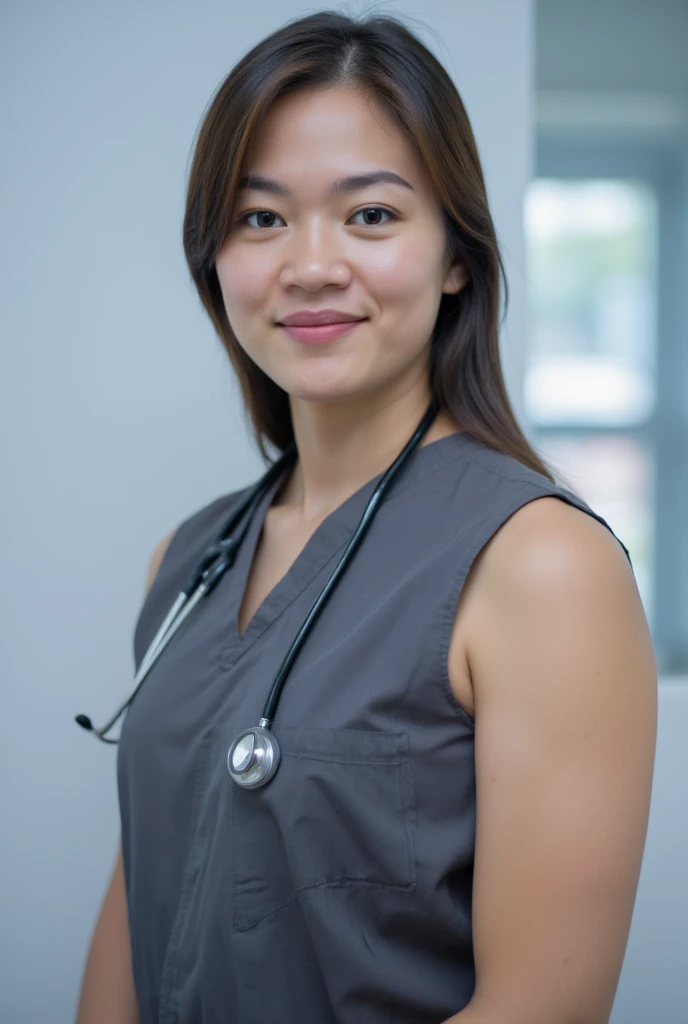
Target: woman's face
[{"x": 376, "y": 251}]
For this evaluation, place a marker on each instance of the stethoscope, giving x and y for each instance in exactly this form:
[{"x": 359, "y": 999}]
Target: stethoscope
[{"x": 254, "y": 756}]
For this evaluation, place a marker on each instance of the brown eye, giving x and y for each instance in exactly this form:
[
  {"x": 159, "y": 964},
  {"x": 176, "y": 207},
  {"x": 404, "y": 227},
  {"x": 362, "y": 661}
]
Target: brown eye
[
  {"x": 375, "y": 209},
  {"x": 263, "y": 216}
]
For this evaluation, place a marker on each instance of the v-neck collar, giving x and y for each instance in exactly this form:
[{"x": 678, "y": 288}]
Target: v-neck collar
[{"x": 327, "y": 539}]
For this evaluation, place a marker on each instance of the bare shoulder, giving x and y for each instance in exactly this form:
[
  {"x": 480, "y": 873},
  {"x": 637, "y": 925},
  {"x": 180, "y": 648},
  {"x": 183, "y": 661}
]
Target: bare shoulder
[
  {"x": 565, "y": 688},
  {"x": 544, "y": 561},
  {"x": 545, "y": 534},
  {"x": 157, "y": 557}
]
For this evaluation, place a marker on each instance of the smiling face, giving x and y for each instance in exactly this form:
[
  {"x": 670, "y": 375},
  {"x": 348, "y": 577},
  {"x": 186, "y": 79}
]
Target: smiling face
[{"x": 376, "y": 250}]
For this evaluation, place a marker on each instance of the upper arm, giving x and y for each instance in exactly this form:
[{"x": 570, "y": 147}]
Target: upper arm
[
  {"x": 565, "y": 687},
  {"x": 157, "y": 557}
]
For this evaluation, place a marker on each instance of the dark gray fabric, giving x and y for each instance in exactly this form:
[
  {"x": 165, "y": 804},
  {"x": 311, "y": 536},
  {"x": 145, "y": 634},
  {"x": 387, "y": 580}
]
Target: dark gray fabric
[{"x": 341, "y": 891}]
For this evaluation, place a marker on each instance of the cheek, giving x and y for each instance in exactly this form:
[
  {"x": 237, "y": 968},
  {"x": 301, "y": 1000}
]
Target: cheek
[
  {"x": 243, "y": 282},
  {"x": 397, "y": 275},
  {"x": 402, "y": 275}
]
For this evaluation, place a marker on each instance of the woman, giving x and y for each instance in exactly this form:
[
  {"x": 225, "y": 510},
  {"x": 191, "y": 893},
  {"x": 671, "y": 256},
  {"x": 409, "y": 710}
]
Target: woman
[{"x": 456, "y": 827}]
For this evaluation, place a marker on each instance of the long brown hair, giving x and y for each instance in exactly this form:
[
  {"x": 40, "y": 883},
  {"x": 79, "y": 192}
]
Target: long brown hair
[{"x": 381, "y": 56}]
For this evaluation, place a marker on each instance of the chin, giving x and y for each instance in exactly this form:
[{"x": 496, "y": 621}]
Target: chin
[
  {"x": 334, "y": 391},
  {"x": 321, "y": 395}
]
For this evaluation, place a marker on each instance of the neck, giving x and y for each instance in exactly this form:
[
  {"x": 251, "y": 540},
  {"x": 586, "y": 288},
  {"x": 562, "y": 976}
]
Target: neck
[{"x": 336, "y": 459}]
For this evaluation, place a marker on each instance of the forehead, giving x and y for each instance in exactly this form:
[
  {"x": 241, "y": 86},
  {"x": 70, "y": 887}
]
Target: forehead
[{"x": 314, "y": 138}]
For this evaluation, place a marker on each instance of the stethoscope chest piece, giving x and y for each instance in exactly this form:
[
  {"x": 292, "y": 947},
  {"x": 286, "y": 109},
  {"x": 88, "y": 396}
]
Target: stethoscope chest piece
[{"x": 253, "y": 757}]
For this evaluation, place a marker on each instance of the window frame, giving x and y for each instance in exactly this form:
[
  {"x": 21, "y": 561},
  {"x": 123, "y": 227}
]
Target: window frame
[{"x": 660, "y": 164}]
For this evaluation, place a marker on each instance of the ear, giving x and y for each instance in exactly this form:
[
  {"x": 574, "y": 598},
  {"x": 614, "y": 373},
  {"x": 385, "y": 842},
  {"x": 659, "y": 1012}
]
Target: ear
[{"x": 456, "y": 279}]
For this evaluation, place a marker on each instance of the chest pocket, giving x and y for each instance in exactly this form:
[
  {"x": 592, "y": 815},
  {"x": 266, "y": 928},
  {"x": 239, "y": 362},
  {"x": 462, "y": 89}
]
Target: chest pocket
[{"x": 338, "y": 812}]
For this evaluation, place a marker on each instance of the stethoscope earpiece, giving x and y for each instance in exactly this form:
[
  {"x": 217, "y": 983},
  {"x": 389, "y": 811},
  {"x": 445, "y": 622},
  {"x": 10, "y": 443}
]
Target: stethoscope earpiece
[{"x": 253, "y": 757}]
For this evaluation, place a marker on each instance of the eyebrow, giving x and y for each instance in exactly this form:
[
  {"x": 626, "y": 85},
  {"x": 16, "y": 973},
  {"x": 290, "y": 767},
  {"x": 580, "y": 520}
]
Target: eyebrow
[{"x": 353, "y": 183}]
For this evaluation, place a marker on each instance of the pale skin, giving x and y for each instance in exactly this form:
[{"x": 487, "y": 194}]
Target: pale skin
[{"x": 550, "y": 651}]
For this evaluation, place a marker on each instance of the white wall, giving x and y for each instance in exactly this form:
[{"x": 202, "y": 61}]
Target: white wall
[{"x": 119, "y": 411}]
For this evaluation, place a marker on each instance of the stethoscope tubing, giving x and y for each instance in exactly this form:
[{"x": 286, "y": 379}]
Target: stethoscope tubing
[
  {"x": 217, "y": 558},
  {"x": 363, "y": 526},
  {"x": 220, "y": 555}
]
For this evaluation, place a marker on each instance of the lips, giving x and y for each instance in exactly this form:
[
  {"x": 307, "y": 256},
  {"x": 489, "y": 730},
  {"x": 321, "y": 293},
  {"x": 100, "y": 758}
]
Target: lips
[
  {"x": 322, "y": 333},
  {"x": 319, "y": 318}
]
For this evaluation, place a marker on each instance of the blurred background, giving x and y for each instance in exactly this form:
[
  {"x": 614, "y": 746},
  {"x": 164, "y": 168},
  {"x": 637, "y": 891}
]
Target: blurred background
[
  {"x": 606, "y": 225},
  {"x": 120, "y": 415}
]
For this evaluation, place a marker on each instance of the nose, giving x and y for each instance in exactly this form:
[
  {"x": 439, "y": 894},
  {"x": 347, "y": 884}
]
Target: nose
[{"x": 314, "y": 257}]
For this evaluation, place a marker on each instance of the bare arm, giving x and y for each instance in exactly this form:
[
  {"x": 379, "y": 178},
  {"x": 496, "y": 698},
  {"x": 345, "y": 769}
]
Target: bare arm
[
  {"x": 107, "y": 989},
  {"x": 565, "y": 687}
]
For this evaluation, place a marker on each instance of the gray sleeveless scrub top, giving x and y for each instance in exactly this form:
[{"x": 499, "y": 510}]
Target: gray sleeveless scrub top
[{"x": 340, "y": 892}]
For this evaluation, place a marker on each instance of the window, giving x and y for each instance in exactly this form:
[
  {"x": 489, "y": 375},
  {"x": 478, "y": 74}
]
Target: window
[
  {"x": 606, "y": 374},
  {"x": 590, "y": 383}
]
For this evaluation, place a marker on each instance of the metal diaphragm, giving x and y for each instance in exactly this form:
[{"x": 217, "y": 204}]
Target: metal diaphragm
[{"x": 253, "y": 757}]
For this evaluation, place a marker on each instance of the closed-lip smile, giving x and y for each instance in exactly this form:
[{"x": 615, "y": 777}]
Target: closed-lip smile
[{"x": 317, "y": 318}]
